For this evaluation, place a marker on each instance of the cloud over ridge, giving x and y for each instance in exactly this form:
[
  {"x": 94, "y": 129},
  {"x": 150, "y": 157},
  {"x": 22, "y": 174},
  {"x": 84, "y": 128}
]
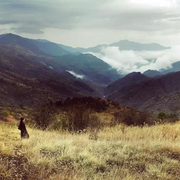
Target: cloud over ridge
[{"x": 139, "y": 61}]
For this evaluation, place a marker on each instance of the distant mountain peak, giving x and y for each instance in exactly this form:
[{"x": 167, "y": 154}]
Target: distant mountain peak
[
  {"x": 131, "y": 45},
  {"x": 125, "y": 40},
  {"x": 134, "y": 73},
  {"x": 125, "y": 45},
  {"x": 130, "y": 79},
  {"x": 42, "y": 40},
  {"x": 152, "y": 73},
  {"x": 13, "y": 35}
]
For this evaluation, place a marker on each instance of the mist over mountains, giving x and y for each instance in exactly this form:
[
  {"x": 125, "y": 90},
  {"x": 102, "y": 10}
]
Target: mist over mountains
[
  {"x": 133, "y": 74},
  {"x": 126, "y": 45},
  {"x": 125, "y": 56},
  {"x": 126, "y": 61}
]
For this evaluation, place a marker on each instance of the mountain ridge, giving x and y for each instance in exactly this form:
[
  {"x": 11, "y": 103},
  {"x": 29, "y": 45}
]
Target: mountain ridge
[
  {"x": 24, "y": 80},
  {"x": 125, "y": 45},
  {"x": 36, "y": 46},
  {"x": 153, "y": 95}
]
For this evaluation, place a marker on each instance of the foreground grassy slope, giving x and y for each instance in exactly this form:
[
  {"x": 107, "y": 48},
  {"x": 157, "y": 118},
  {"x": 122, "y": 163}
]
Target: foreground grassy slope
[{"x": 119, "y": 153}]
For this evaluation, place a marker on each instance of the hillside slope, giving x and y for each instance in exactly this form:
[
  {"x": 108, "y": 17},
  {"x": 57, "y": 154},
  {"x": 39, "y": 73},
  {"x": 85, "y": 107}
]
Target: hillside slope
[
  {"x": 153, "y": 95},
  {"x": 36, "y": 46},
  {"x": 25, "y": 80},
  {"x": 119, "y": 153},
  {"x": 130, "y": 79},
  {"x": 90, "y": 67}
]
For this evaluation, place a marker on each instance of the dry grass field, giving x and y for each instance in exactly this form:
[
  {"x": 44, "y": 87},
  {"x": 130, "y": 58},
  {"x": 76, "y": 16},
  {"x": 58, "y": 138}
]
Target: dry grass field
[{"x": 119, "y": 152}]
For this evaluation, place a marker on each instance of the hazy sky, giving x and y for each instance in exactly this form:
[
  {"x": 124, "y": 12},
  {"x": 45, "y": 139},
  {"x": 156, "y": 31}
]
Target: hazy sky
[{"x": 91, "y": 22}]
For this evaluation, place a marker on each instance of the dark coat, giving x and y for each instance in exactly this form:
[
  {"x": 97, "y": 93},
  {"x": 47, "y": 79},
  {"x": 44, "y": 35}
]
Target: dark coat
[{"x": 22, "y": 128}]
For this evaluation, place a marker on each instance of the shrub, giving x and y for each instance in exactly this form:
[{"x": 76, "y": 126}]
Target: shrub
[
  {"x": 132, "y": 118},
  {"x": 162, "y": 115},
  {"x": 60, "y": 123},
  {"x": 95, "y": 126},
  {"x": 72, "y": 118},
  {"x": 80, "y": 118},
  {"x": 4, "y": 113},
  {"x": 43, "y": 115},
  {"x": 167, "y": 118}
]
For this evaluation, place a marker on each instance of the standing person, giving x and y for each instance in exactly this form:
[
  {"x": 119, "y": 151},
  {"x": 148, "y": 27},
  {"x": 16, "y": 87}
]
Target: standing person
[{"x": 22, "y": 128}]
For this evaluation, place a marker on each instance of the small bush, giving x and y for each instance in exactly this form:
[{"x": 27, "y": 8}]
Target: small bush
[
  {"x": 78, "y": 118},
  {"x": 4, "y": 113},
  {"x": 60, "y": 123},
  {"x": 73, "y": 118},
  {"x": 132, "y": 118},
  {"x": 44, "y": 115},
  {"x": 167, "y": 118},
  {"x": 95, "y": 126},
  {"x": 162, "y": 115}
]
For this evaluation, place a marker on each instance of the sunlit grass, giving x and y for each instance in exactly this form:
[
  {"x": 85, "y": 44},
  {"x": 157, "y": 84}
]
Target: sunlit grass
[{"x": 120, "y": 152}]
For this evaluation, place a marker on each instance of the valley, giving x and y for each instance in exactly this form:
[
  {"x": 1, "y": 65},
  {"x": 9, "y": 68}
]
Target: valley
[{"x": 32, "y": 73}]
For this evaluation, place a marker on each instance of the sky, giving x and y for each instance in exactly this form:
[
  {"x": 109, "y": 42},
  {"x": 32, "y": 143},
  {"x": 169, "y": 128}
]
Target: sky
[{"x": 86, "y": 23}]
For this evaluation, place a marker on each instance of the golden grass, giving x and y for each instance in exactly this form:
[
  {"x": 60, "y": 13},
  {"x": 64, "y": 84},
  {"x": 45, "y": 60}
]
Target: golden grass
[{"x": 120, "y": 152}]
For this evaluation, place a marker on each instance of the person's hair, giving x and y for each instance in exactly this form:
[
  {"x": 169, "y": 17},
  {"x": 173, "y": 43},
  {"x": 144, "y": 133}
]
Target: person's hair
[{"x": 21, "y": 119}]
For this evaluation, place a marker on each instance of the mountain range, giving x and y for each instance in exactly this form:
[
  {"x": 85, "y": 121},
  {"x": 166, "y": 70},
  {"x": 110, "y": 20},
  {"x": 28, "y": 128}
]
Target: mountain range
[
  {"x": 37, "y": 71},
  {"x": 45, "y": 47},
  {"x": 126, "y": 45}
]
